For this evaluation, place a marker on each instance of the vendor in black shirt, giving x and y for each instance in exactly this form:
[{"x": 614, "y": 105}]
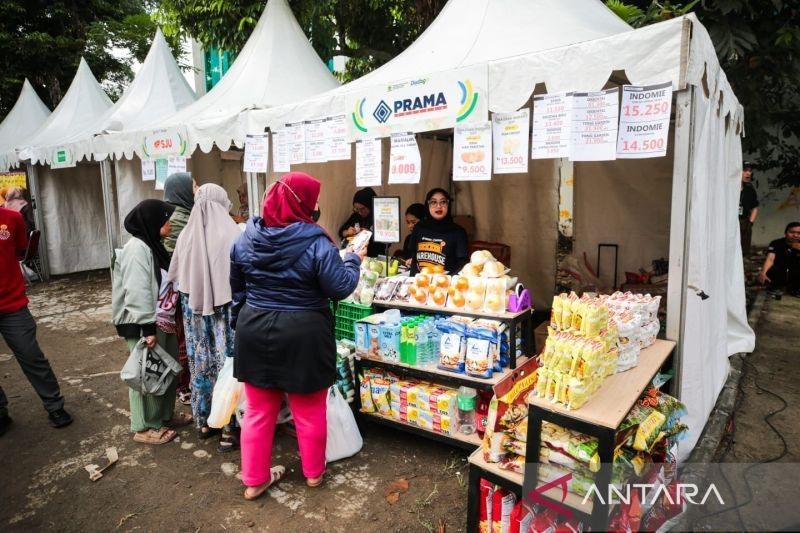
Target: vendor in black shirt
[
  {"x": 781, "y": 270},
  {"x": 361, "y": 219},
  {"x": 748, "y": 207},
  {"x": 436, "y": 239}
]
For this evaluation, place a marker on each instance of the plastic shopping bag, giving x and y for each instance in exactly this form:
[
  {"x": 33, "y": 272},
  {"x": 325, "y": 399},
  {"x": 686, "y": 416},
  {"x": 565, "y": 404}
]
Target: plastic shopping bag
[
  {"x": 225, "y": 398},
  {"x": 344, "y": 439}
]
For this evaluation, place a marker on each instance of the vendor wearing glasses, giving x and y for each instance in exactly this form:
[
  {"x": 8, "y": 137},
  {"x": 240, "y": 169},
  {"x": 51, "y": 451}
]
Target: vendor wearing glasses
[
  {"x": 437, "y": 241},
  {"x": 361, "y": 219}
]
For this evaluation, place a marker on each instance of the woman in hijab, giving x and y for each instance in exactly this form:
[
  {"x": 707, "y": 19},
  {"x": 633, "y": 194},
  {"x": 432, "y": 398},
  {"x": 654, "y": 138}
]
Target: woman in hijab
[
  {"x": 15, "y": 200},
  {"x": 201, "y": 269},
  {"x": 179, "y": 190},
  {"x": 138, "y": 272},
  {"x": 361, "y": 219},
  {"x": 436, "y": 239},
  {"x": 243, "y": 213},
  {"x": 284, "y": 270}
]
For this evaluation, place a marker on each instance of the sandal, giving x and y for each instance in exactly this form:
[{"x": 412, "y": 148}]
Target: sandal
[
  {"x": 253, "y": 493},
  {"x": 185, "y": 397},
  {"x": 206, "y": 432},
  {"x": 179, "y": 420},
  {"x": 155, "y": 436},
  {"x": 228, "y": 443},
  {"x": 315, "y": 482}
]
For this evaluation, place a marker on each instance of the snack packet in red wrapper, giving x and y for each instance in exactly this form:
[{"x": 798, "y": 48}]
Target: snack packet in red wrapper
[
  {"x": 544, "y": 522},
  {"x": 485, "y": 506},
  {"x": 521, "y": 518},
  {"x": 502, "y": 506}
]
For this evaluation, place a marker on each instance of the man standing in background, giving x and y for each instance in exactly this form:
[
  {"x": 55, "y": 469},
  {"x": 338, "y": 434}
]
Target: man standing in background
[{"x": 748, "y": 207}]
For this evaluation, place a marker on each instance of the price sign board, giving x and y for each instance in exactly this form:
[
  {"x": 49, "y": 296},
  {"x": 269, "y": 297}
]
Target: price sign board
[
  {"x": 386, "y": 213},
  {"x": 594, "y": 125},
  {"x": 175, "y": 164},
  {"x": 297, "y": 143},
  {"x": 405, "y": 163},
  {"x": 552, "y": 126},
  {"x": 644, "y": 121},
  {"x": 316, "y": 141},
  {"x": 369, "y": 161},
  {"x": 256, "y": 153},
  {"x": 510, "y": 141},
  {"x": 338, "y": 147},
  {"x": 280, "y": 151},
  {"x": 148, "y": 170},
  {"x": 162, "y": 171},
  {"x": 472, "y": 148}
]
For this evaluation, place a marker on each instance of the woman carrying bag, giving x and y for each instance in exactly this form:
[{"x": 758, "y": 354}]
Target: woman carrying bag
[
  {"x": 284, "y": 270},
  {"x": 139, "y": 269}
]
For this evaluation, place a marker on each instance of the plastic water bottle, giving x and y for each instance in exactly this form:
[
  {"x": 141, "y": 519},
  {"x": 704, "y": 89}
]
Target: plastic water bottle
[
  {"x": 423, "y": 359},
  {"x": 466, "y": 400}
]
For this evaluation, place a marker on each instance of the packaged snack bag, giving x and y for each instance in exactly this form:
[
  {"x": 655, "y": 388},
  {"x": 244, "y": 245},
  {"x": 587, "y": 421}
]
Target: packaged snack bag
[
  {"x": 521, "y": 518},
  {"x": 478, "y": 358},
  {"x": 485, "y": 506},
  {"x": 365, "y": 391},
  {"x": 380, "y": 395},
  {"x": 453, "y": 344},
  {"x": 502, "y": 505},
  {"x": 555, "y": 312},
  {"x": 401, "y": 293}
]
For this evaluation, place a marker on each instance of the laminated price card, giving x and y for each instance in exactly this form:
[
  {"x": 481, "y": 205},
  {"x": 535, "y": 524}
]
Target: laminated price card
[
  {"x": 369, "y": 161},
  {"x": 594, "y": 125},
  {"x": 405, "y": 163},
  {"x": 316, "y": 141},
  {"x": 644, "y": 121},
  {"x": 338, "y": 147},
  {"x": 472, "y": 149},
  {"x": 510, "y": 141},
  {"x": 297, "y": 143},
  {"x": 148, "y": 170},
  {"x": 552, "y": 126},
  {"x": 280, "y": 151},
  {"x": 256, "y": 153}
]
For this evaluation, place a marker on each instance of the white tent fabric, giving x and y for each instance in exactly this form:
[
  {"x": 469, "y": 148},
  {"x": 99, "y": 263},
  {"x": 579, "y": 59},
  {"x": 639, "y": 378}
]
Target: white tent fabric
[
  {"x": 158, "y": 90},
  {"x": 83, "y": 103},
  {"x": 27, "y": 116},
  {"x": 276, "y": 66}
]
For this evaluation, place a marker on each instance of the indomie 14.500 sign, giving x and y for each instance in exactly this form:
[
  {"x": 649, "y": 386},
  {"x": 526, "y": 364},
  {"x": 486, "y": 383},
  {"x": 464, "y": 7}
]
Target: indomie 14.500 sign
[{"x": 435, "y": 102}]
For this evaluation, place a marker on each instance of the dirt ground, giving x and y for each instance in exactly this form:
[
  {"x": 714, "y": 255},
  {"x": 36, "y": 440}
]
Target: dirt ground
[{"x": 184, "y": 485}]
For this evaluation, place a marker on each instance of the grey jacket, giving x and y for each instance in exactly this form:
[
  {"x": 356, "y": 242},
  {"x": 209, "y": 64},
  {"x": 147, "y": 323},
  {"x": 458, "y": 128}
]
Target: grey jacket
[{"x": 134, "y": 290}]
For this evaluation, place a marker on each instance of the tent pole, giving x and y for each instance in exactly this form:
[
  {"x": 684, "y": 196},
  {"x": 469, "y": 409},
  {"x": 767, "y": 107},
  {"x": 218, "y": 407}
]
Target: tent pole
[
  {"x": 252, "y": 193},
  {"x": 108, "y": 208},
  {"x": 33, "y": 182},
  {"x": 680, "y": 227}
]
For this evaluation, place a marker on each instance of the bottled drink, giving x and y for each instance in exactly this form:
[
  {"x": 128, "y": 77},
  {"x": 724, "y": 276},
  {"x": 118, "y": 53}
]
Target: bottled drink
[
  {"x": 404, "y": 341},
  {"x": 422, "y": 344},
  {"x": 482, "y": 411},
  {"x": 411, "y": 336},
  {"x": 466, "y": 400}
]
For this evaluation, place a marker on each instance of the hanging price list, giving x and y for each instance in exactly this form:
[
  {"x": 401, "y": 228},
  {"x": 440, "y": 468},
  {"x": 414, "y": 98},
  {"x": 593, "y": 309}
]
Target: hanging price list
[
  {"x": 594, "y": 125},
  {"x": 552, "y": 123},
  {"x": 644, "y": 121}
]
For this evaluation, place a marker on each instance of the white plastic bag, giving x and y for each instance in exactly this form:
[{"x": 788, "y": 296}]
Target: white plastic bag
[
  {"x": 225, "y": 398},
  {"x": 344, "y": 439}
]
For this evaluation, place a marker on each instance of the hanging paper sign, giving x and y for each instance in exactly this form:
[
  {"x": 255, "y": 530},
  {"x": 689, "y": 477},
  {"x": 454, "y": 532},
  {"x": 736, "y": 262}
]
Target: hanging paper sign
[
  {"x": 405, "y": 163},
  {"x": 510, "y": 141},
  {"x": 297, "y": 142},
  {"x": 176, "y": 164},
  {"x": 162, "y": 171},
  {"x": 386, "y": 214},
  {"x": 552, "y": 126},
  {"x": 472, "y": 149},
  {"x": 166, "y": 142},
  {"x": 62, "y": 158},
  {"x": 437, "y": 102},
  {"x": 338, "y": 147},
  {"x": 644, "y": 121},
  {"x": 280, "y": 151},
  {"x": 316, "y": 141},
  {"x": 256, "y": 153},
  {"x": 13, "y": 180},
  {"x": 148, "y": 170},
  {"x": 594, "y": 125},
  {"x": 369, "y": 162}
]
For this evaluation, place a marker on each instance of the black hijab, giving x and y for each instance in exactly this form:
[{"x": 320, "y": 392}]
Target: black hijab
[
  {"x": 179, "y": 191},
  {"x": 144, "y": 222},
  {"x": 444, "y": 225},
  {"x": 364, "y": 197}
]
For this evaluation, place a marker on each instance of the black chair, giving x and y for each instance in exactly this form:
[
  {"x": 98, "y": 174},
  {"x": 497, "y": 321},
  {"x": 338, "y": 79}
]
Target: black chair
[{"x": 31, "y": 259}]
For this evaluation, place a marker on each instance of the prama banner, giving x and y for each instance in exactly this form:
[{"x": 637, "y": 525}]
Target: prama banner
[{"x": 438, "y": 101}]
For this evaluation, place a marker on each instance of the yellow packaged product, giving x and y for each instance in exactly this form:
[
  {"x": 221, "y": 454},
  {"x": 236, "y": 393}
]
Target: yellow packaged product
[
  {"x": 413, "y": 415},
  {"x": 542, "y": 382},
  {"x": 595, "y": 319},
  {"x": 566, "y": 311},
  {"x": 555, "y": 312},
  {"x": 577, "y": 394}
]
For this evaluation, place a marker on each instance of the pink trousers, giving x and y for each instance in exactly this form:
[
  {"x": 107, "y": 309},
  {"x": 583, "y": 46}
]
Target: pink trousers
[{"x": 258, "y": 428}]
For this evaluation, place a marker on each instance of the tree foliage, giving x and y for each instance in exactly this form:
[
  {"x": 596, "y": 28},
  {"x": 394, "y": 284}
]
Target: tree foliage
[
  {"x": 44, "y": 40},
  {"x": 369, "y": 32},
  {"x": 758, "y": 45}
]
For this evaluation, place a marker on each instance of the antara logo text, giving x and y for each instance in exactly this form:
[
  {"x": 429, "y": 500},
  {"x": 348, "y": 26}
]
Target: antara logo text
[{"x": 420, "y": 104}]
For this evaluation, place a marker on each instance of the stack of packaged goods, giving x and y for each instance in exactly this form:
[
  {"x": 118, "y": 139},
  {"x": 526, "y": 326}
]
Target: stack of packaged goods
[
  {"x": 425, "y": 405},
  {"x": 507, "y": 426},
  {"x": 580, "y": 350},
  {"x": 636, "y": 319},
  {"x": 345, "y": 369},
  {"x": 478, "y": 348},
  {"x": 499, "y": 511}
]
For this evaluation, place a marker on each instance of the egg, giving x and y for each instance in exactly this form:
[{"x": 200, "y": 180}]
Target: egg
[{"x": 458, "y": 299}]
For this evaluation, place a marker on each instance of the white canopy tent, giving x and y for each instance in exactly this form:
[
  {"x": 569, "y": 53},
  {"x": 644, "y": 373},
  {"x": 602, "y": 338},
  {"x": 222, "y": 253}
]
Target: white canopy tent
[
  {"x": 69, "y": 196},
  {"x": 693, "y": 194},
  {"x": 27, "y": 116}
]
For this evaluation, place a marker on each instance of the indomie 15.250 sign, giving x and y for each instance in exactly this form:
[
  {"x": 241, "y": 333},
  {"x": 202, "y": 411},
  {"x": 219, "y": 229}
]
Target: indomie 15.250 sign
[
  {"x": 435, "y": 102},
  {"x": 166, "y": 142}
]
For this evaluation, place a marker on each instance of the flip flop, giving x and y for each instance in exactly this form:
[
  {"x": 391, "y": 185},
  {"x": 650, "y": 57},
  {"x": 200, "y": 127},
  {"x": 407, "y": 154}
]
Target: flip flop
[
  {"x": 155, "y": 436},
  {"x": 179, "y": 420},
  {"x": 228, "y": 443},
  {"x": 276, "y": 473},
  {"x": 210, "y": 432}
]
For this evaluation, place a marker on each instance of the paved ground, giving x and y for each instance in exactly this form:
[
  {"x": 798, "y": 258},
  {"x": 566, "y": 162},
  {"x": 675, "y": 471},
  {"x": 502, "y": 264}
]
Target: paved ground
[{"x": 185, "y": 485}]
